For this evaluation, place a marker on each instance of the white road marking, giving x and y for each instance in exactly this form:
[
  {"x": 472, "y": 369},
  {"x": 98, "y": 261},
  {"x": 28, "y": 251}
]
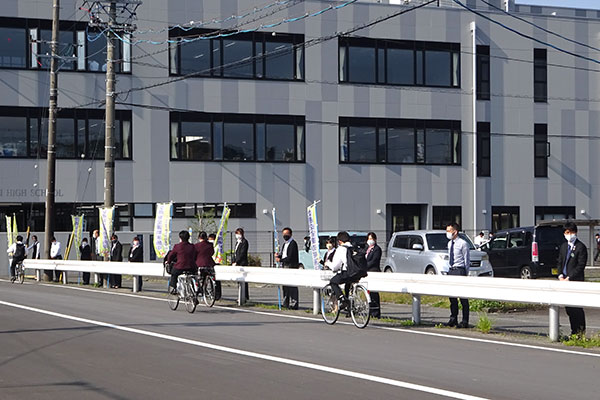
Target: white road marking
[
  {"x": 261, "y": 356},
  {"x": 319, "y": 320}
]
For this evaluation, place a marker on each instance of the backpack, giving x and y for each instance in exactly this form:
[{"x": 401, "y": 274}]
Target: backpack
[
  {"x": 19, "y": 253},
  {"x": 356, "y": 263}
]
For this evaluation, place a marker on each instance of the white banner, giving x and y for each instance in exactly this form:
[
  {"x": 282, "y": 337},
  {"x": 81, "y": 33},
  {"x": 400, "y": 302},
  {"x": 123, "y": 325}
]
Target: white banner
[
  {"x": 313, "y": 228},
  {"x": 162, "y": 229}
]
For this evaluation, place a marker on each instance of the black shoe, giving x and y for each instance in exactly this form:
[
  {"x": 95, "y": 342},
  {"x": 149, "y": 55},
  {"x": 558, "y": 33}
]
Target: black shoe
[
  {"x": 452, "y": 322},
  {"x": 12, "y": 279},
  {"x": 463, "y": 324}
]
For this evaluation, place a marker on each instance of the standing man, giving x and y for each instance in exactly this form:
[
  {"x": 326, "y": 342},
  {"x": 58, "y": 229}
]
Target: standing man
[
  {"x": 85, "y": 252},
  {"x": 572, "y": 258},
  {"x": 35, "y": 248},
  {"x": 459, "y": 261},
  {"x": 479, "y": 240},
  {"x": 55, "y": 251},
  {"x": 116, "y": 254},
  {"x": 289, "y": 259},
  {"x": 597, "y": 247},
  {"x": 240, "y": 256},
  {"x": 136, "y": 254}
]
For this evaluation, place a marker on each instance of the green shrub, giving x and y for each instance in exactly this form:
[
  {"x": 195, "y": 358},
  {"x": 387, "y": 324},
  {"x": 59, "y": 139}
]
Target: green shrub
[{"x": 485, "y": 324}]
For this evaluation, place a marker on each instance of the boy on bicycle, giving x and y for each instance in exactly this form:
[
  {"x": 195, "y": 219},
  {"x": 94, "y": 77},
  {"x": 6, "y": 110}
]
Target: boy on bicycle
[
  {"x": 17, "y": 249},
  {"x": 339, "y": 265}
]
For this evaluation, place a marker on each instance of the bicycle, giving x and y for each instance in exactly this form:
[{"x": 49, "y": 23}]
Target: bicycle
[
  {"x": 19, "y": 273},
  {"x": 357, "y": 303},
  {"x": 208, "y": 287},
  {"x": 186, "y": 291}
]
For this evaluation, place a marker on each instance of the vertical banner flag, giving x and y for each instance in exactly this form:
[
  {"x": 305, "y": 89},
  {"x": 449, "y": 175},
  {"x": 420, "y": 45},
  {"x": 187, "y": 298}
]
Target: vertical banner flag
[
  {"x": 106, "y": 230},
  {"x": 218, "y": 257},
  {"x": 313, "y": 228},
  {"x": 15, "y": 229},
  {"x": 275, "y": 236},
  {"x": 77, "y": 235},
  {"x": 162, "y": 229},
  {"x": 9, "y": 228}
]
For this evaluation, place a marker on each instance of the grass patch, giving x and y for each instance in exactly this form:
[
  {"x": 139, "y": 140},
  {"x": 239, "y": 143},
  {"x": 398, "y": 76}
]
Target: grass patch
[
  {"x": 404, "y": 298},
  {"x": 407, "y": 322},
  {"x": 485, "y": 324},
  {"x": 475, "y": 305},
  {"x": 439, "y": 326},
  {"x": 582, "y": 341},
  {"x": 265, "y": 306}
]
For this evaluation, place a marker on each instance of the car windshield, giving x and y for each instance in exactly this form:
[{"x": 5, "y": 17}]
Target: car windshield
[
  {"x": 549, "y": 234},
  {"x": 439, "y": 241}
]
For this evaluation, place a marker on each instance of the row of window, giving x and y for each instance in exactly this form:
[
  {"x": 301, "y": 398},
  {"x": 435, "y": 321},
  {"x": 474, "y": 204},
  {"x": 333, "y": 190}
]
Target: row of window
[
  {"x": 399, "y": 141},
  {"x": 25, "y": 44},
  {"x": 231, "y": 137},
  {"x": 79, "y": 133},
  {"x": 240, "y": 56}
]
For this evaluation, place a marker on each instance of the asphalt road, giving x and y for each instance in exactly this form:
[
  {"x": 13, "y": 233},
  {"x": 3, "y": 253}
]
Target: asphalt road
[{"x": 61, "y": 342}]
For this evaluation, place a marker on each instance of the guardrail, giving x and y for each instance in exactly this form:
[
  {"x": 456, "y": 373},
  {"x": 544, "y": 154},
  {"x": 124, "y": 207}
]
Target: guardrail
[{"x": 550, "y": 293}]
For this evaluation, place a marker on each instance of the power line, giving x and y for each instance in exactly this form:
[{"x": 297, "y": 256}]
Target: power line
[
  {"x": 525, "y": 35},
  {"x": 541, "y": 27}
]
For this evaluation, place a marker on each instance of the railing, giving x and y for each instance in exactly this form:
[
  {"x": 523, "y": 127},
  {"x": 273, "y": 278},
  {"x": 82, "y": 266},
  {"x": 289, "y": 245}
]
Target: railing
[{"x": 545, "y": 292}]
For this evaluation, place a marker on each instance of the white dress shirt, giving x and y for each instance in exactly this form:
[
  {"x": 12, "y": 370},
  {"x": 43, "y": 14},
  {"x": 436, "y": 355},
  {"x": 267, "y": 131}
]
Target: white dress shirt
[
  {"x": 55, "y": 249},
  {"x": 340, "y": 258}
]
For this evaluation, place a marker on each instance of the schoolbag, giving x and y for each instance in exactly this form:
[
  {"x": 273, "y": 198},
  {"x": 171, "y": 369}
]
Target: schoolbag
[
  {"x": 19, "y": 253},
  {"x": 356, "y": 263}
]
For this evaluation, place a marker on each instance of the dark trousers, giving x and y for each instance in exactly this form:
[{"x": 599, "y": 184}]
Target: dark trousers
[
  {"x": 217, "y": 290},
  {"x": 577, "y": 319},
  {"x": 175, "y": 274},
  {"x": 337, "y": 280},
  {"x": 454, "y": 301},
  {"x": 597, "y": 254},
  {"x": 375, "y": 305},
  {"x": 13, "y": 266},
  {"x": 116, "y": 280},
  {"x": 139, "y": 282},
  {"x": 86, "y": 278},
  {"x": 290, "y": 297}
]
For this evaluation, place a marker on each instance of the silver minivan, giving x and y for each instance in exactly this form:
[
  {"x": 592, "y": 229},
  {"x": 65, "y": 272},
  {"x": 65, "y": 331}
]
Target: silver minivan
[{"x": 426, "y": 252}]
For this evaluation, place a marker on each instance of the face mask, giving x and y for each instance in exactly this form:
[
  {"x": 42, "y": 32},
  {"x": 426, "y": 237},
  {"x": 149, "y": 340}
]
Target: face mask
[
  {"x": 570, "y": 237},
  {"x": 371, "y": 242},
  {"x": 238, "y": 236},
  {"x": 286, "y": 237},
  {"x": 329, "y": 246},
  {"x": 211, "y": 241},
  {"x": 449, "y": 235},
  {"x": 136, "y": 243}
]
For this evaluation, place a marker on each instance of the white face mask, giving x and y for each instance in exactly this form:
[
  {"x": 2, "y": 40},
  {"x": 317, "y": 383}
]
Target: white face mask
[
  {"x": 570, "y": 237},
  {"x": 238, "y": 236},
  {"x": 449, "y": 235},
  {"x": 135, "y": 244},
  {"x": 210, "y": 241},
  {"x": 371, "y": 242},
  {"x": 329, "y": 246}
]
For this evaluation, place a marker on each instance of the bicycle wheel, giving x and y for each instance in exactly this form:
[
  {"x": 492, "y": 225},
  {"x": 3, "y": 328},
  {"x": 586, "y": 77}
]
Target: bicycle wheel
[
  {"x": 208, "y": 291},
  {"x": 330, "y": 308},
  {"x": 21, "y": 274},
  {"x": 191, "y": 301},
  {"x": 173, "y": 298},
  {"x": 359, "y": 306}
]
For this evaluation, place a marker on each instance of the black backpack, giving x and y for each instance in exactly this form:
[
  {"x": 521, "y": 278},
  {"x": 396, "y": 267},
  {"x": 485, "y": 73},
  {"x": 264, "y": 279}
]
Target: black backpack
[
  {"x": 356, "y": 263},
  {"x": 19, "y": 253}
]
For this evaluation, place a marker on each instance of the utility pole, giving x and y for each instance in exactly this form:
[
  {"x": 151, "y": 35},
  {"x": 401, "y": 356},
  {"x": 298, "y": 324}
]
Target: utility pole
[{"x": 51, "y": 157}]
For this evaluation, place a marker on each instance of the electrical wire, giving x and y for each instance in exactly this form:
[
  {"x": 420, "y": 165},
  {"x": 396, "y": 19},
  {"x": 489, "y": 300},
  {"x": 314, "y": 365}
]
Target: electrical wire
[{"x": 540, "y": 27}]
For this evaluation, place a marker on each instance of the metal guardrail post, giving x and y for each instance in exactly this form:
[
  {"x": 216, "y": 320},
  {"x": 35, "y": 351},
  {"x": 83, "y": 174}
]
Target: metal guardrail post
[
  {"x": 96, "y": 279},
  {"x": 38, "y": 276},
  {"x": 135, "y": 284},
  {"x": 316, "y": 301},
  {"x": 241, "y": 293},
  {"x": 64, "y": 277},
  {"x": 554, "y": 320},
  {"x": 416, "y": 309}
]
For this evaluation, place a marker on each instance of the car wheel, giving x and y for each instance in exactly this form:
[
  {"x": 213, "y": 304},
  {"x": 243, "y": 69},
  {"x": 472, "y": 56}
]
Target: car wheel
[
  {"x": 526, "y": 272},
  {"x": 430, "y": 271},
  {"x": 388, "y": 269}
]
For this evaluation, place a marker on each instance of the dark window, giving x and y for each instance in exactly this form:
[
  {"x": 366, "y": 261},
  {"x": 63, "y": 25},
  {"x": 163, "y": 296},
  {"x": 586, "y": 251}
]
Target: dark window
[
  {"x": 13, "y": 47},
  {"x": 517, "y": 239},
  {"x": 499, "y": 241},
  {"x": 540, "y": 75},
  {"x": 96, "y": 52},
  {"x": 123, "y": 218},
  {"x": 399, "y": 141},
  {"x": 208, "y": 137},
  {"x": 553, "y": 213},
  {"x": 13, "y": 136},
  {"x": 398, "y": 62},
  {"x": 401, "y": 242},
  {"x": 66, "y": 49},
  {"x": 143, "y": 210},
  {"x": 505, "y": 218},
  {"x": 257, "y": 55},
  {"x": 238, "y": 141},
  {"x": 484, "y": 149},
  {"x": 541, "y": 150},
  {"x": 79, "y": 133},
  {"x": 184, "y": 210},
  {"x": 483, "y": 72},
  {"x": 445, "y": 215}
]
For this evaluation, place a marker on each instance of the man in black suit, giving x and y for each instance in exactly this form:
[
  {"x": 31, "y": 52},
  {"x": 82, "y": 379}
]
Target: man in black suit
[
  {"x": 136, "y": 254},
  {"x": 240, "y": 256},
  {"x": 85, "y": 251},
  {"x": 572, "y": 259},
  {"x": 116, "y": 254},
  {"x": 289, "y": 259}
]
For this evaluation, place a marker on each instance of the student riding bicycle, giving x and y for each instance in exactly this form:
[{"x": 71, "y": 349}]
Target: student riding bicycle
[
  {"x": 18, "y": 255},
  {"x": 204, "y": 253},
  {"x": 184, "y": 256},
  {"x": 339, "y": 265}
]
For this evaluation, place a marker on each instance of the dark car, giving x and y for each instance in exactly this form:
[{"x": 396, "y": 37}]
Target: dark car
[{"x": 528, "y": 252}]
